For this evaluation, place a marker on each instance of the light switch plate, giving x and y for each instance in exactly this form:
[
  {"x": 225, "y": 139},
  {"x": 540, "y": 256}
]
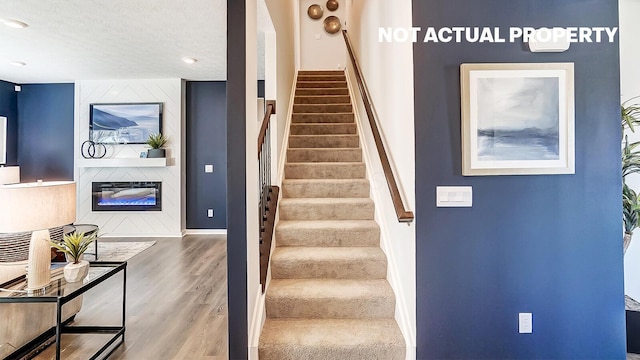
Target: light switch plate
[
  {"x": 208, "y": 169},
  {"x": 454, "y": 196},
  {"x": 525, "y": 323}
]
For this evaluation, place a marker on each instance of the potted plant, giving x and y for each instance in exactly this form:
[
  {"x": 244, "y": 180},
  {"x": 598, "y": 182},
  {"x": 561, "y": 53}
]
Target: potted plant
[
  {"x": 156, "y": 142},
  {"x": 73, "y": 246}
]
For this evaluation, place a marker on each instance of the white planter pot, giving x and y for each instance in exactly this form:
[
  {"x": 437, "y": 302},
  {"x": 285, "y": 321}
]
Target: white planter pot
[{"x": 76, "y": 272}]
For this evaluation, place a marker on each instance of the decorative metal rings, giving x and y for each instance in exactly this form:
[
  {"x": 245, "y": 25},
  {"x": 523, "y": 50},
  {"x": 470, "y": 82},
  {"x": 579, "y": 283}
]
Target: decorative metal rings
[{"x": 91, "y": 150}]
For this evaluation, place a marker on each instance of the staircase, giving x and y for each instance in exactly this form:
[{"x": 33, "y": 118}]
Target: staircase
[{"x": 328, "y": 297}]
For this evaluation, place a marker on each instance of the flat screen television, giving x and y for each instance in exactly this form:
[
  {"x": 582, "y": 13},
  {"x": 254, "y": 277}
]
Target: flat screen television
[{"x": 130, "y": 123}]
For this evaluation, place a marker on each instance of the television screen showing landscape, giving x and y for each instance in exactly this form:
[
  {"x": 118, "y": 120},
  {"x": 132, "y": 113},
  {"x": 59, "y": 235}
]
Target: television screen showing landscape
[{"x": 125, "y": 123}]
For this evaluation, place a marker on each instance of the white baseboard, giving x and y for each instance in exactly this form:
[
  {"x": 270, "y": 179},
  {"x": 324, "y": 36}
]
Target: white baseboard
[
  {"x": 204, "y": 232},
  {"x": 133, "y": 236},
  {"x": 282, "y": 157}
]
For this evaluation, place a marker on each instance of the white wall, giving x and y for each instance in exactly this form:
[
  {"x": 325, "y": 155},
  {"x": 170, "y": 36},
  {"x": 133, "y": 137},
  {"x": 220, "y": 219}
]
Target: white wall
[
  {"x": 320, "y": 50},
  {"x": 388, "y": 71},
  {"x": 254, "y": 290},
  {"x": 630, "y": 87},
  {"x": 167, "y": 222},
  {"x": 282, "y": 14}
]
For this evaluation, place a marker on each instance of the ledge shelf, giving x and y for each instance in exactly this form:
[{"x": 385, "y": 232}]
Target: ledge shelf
[{"x": 123, "y": 162}]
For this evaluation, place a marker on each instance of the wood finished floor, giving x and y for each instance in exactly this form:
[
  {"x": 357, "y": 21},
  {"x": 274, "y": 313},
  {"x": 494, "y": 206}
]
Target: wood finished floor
[{"x": 176, "y": 304}]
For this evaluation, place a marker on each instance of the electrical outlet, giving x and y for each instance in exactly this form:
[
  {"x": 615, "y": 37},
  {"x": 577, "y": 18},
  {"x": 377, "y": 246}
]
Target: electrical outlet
[
  {"x": 208, "y": 169},
  {"x": 210, "y": 213},
  {"x": 525, "y": 323}
]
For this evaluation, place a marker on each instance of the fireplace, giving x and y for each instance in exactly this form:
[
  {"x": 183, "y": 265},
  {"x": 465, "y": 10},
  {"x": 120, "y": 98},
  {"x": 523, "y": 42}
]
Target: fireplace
[{"x": 127, "y": 196}]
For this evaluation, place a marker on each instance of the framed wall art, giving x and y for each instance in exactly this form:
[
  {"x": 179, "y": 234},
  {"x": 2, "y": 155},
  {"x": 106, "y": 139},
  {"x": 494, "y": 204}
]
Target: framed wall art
[{"x": 517, "y": 119}]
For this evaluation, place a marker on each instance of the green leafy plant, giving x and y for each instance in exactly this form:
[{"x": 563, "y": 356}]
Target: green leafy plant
[
  {"x": 630, "y": 117},
  {"x": 156, "y": 141},
  {"x": 75, "y": 244}
]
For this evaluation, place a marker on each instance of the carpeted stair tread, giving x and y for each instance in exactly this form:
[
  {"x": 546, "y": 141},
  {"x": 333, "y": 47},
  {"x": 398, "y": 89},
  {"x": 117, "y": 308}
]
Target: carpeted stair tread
[
  {"x": 346, "y": 117},
  {"x": 322, "y": 108},
  {"x": 326, "y": 209},
  {"x": 331, "y": 339},
  {"x": 323, "y": 141},
  {"x": 330, "y": 298},
  {"x": 321, "y": 72},
  {"x": 325, "y": 170},
  {"x": 328, "y": 233},
  {"x": 322, "y": 99},
  {"x": 325, "y": 188},
  {"x": 328, "y": 262},
  {"x": 324, "y": 129},
  {"x": 321, "y": 84},
  {"x": 320, "y": 91},
  {"x": 352, "y": 154},
  {"x": 321, "y": 77}
]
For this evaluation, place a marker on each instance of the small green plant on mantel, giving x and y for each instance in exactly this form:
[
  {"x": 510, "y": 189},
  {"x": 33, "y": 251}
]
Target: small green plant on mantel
[
  {"x": 74, "y": 245},
  {"x": 630, "y": 114},
  {"x": 156, "y": 141}
]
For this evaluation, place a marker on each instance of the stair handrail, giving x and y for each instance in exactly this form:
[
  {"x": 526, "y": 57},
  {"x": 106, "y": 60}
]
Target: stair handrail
[
  {"x": 402, "y": 213},
  {"x": 270, "y": 109},
  {"x": 268, "y": 193}
]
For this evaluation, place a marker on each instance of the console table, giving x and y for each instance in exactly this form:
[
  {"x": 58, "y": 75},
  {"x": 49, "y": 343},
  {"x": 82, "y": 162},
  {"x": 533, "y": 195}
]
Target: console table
[{"x": 59, "y": 292}]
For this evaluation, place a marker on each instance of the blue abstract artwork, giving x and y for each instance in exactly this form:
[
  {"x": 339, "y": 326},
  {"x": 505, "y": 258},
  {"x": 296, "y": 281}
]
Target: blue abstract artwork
[
  {"x": 518, "y": 118},
  {"x": 125, "y": 123}
]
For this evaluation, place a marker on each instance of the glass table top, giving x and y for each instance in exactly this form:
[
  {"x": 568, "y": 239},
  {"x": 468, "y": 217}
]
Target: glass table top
[{"x": 59, "y": 287}]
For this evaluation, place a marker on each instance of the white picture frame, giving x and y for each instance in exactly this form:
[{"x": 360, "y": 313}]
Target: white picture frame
[
  {"x": 517, "y": 119},
  {"x": 3, "y": 140}
]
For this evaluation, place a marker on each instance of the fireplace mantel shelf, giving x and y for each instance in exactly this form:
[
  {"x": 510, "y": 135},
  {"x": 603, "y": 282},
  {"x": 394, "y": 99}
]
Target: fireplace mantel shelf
[{"x": 123, "y": 162}]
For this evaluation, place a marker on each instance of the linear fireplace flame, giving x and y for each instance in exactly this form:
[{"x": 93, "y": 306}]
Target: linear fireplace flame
[{"x": 127, "y": 196}]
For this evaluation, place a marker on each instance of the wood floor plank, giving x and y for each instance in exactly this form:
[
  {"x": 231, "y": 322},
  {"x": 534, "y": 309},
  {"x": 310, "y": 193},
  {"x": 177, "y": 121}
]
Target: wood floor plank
[{"x": 176, "y": 304}]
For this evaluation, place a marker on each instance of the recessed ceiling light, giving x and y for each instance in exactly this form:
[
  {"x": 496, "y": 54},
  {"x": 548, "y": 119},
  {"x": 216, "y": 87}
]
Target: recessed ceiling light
[
  {"x": 189, "y": 60},
  {"x": 18, "y": 63},
  {"x": 15, "y": 23}
]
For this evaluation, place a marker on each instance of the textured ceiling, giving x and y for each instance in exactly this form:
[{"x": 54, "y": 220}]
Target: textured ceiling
[{"x": 70, "y": 40}]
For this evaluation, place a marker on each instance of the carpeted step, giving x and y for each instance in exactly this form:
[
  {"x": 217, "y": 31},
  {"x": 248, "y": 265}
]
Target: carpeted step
[
  {"x": 330, "y": 299},
  {"x": 322, "y": 108},
  {"x": 324, "y": 129},
  {"x": 321, "y": 72},
  {"x": 326, "y": 209},
  {"x": 328, "y": 262},
  {"x": 334, "y": 339},
  {"x": 316, "y": 77},
  {"x": 321, "y": 84},
  {"x": 329, "y": 233},
  {"x": 322, "y": 118},
  {"x": 324, "y": 155},
  {"x": 323, "y": 141},
  {"x": 322, "y": 92},
  {"x": 328, "y": 99},
  {"x": 325, "y": 188},
  {"x": 329, "y": 170}
]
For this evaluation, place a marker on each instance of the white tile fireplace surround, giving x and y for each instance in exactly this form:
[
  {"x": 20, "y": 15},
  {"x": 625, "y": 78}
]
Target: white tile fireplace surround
[{"x": 122, "y": 162}]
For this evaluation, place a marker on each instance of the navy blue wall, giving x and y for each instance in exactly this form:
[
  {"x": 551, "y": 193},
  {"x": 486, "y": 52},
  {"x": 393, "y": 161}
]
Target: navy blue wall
[
  {"x": 9, "y": 109},
  {"x": 45, "y": 135},
  {"x": 206, "y": 144},
  {"x": 550, "y": 245}
]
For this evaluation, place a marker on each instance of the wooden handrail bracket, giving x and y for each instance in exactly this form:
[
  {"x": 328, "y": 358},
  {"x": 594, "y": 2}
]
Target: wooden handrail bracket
[{"x": 402, "y": 213}]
